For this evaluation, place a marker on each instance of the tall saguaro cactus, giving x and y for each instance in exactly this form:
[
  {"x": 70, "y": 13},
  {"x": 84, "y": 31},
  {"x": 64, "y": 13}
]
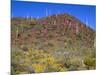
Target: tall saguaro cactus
[{"x": 17, "y": 31}]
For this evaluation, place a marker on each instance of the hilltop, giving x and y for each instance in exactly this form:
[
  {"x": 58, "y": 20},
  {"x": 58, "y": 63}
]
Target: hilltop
[{"x": 56, "y": 27}]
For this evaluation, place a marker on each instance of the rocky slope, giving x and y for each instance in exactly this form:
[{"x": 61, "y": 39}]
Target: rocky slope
[{"x": 62, "y": 36}]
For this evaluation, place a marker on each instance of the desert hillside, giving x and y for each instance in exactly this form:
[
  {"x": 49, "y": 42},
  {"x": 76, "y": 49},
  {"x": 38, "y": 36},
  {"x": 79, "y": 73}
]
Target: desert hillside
[{"x": 51, "y": 44}]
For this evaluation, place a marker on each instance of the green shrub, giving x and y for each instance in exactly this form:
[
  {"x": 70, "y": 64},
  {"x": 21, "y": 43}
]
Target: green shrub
[{"x": 90, "y": 62}]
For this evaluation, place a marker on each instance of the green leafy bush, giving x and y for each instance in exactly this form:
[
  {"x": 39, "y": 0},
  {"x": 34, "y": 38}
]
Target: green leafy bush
[{"x": 90, "y": 62}]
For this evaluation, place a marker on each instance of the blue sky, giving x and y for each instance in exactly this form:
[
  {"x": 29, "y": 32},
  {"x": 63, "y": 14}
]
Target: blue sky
[{"x": 85, "y": 13}]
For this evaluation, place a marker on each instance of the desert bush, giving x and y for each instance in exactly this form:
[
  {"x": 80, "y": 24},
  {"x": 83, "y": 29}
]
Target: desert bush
[
  {"x": 90, "y": 62},
  {"x": 39, "y": 67},
  {"x": 39, "y": 27},
  {"x": 72, "y": 63}
]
